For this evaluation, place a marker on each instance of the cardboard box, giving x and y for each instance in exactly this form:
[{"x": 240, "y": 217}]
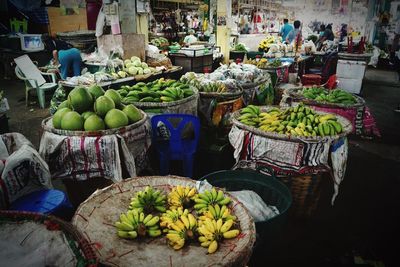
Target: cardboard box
[{"x": 131, "y": 44}]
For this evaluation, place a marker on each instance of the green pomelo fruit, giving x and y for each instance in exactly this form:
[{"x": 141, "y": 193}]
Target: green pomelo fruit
[
  {"x": 116, "y": 118},
  {"x": 94, "y": 123},
  {"x": 102, "y": 105},
  {"x": 114, "y": 95},
  {"x": 133, "y": 113},
  {"x": 80, "y": 99},
  {"x": 58, "y": 116},
  {"x": 96, "y": 91},
  {"x": 72, "y": 121},
  {"x": 64, "y": 104},
  {"x": 87, "y": 114}
]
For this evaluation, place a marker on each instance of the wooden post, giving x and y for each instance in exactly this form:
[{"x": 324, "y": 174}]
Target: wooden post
[{"x": 224, "y": 18}]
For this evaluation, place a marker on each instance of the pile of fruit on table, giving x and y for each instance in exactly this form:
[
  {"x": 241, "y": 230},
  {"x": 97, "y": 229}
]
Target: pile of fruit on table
[
  {"x": 337, "y": 96},
  {"x": 131, "y": 67},
  {"x": 183, "y": 215},
  {"x": 160, "y": 90},
  {"x": 295, "y": 121},
  {"x": 93, "y": 109}
]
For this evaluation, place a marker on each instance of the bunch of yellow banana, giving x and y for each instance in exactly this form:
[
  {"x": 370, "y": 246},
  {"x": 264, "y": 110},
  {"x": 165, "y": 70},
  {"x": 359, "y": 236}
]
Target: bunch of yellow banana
[
  {"x": 207, "y": 198},
  {"x": 149, "y": 200},
  {"x": 134, "y": 223},
  {"x": 183, "y": 229},
  {"x": 171, "y": 216},
  {"x": 213, "y": 231},
  {"x": 216, "y": 212},
  {"x": 182, "y": 197},
  {"x": 250, "y": 115}
]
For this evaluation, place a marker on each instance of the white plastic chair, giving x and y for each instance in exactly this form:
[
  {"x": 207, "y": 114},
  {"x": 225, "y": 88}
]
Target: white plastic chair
[{"x": 33, "y": 78}]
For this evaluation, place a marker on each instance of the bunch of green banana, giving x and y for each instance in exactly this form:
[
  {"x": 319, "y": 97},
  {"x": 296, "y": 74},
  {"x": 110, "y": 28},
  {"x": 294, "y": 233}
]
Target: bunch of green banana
[
  {"x": 171, "y": 216},
  {"x": 183, "y": 229},
  {"x": 182, "y": 197},
  {"x": 149, "y": 200},
  {"x": 299, "y": 121},
  {"x": 160, "y": 90},
  {"x": 135, "y": 223},
  {"x": 338, "y": 96},
  {"x": 250, "y": 115},
  {"x": 213, "y": 231},
  {"x": 213, "y": 87},
  {"x": 207, "y": 198},
  {"x": 216, "y": 212}
]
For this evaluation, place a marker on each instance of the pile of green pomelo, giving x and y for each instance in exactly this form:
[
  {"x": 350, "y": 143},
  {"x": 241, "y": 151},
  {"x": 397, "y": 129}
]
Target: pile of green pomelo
[{"x": 93, "y": 109}]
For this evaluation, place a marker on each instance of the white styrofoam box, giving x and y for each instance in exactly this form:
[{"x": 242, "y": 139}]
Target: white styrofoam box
[
  {"x": 351, "y": 69},
  {"x": 350, "y": 85}
]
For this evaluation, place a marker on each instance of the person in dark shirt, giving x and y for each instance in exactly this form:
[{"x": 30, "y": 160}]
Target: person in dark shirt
[{"x": 328, "y": 34}]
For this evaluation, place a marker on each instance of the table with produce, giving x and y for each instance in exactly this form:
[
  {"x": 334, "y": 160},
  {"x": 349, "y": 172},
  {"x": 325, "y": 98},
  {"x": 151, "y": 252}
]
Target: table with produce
[
  {"x": 166, "y": 221},
  {"x": 336, "y": 101}
]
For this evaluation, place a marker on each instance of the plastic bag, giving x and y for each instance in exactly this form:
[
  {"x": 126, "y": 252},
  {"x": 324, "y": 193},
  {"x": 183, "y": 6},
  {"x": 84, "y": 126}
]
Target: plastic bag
[{"x": 250, "y": 199}]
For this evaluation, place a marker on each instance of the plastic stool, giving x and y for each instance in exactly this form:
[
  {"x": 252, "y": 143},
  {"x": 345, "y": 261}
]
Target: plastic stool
[{"x": 50, "y": 202}]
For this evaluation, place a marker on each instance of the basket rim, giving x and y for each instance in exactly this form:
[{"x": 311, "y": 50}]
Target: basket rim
[
  {"x": 347, "y": 129},
  {"x": 237, "y": 93},
  {"x": 66, "y": 227},
  {"x": 293, "y": 93},
  {"x": 49, "y": 128}
]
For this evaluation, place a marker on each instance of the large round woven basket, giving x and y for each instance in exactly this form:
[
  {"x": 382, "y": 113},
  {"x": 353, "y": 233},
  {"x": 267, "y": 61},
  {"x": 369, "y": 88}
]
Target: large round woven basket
[
  {"x": 346, "y": 124},
  {"x": 187, "y": 105},
  {"x": 44, "y": 239},
  {"x": 47, "y": 125},
  {"x": 296, "y": 96},
  {"x": 96, "y": 216}
]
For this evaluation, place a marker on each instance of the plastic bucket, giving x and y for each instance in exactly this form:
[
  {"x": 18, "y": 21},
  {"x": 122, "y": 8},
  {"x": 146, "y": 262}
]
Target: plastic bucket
[{"x": 272, "y": 191}]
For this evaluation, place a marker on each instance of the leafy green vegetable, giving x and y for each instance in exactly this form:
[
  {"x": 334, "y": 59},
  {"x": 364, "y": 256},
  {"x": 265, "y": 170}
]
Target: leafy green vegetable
[{"x": 240, "y": 47}]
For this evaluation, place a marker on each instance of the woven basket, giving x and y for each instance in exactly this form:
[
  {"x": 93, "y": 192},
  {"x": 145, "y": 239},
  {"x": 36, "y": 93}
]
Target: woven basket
[
  {"x": 47, "y": 125},
  {"x": 305, "y": 188},
  {"x": 83, "y": 251},
  {"x": 346, "y": 124},
  {"x": 96, "y": 216},
  {"x": 296, "y": 96},
  {"x": 187, "y": 105}
]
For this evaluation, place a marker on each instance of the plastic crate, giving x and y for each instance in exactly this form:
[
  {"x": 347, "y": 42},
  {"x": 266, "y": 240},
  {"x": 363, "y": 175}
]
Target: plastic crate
[{"x": 272, "y": 191}]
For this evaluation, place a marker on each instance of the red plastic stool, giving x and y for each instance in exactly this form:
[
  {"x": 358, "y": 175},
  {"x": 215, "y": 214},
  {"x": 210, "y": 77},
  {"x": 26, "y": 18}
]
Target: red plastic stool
[{"x": 311, "y": 79}]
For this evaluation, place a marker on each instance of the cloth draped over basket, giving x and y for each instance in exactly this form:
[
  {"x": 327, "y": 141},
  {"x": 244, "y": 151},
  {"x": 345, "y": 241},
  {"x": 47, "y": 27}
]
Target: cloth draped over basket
[
  {"x": 22, "y": 169},
  {"x": 82, "y": 157},
  {"x": 288, "y": 157}
]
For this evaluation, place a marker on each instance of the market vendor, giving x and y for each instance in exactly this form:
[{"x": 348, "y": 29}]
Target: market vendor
[
  {"x": 286, "y": 28},
  {"x": 189, "y": 39},
  {"x": 295, "y": 33}
]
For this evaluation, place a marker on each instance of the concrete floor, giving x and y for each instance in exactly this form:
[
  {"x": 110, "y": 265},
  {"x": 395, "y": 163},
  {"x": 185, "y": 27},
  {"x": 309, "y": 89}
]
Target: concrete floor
[{"x": 361, "y": 229}]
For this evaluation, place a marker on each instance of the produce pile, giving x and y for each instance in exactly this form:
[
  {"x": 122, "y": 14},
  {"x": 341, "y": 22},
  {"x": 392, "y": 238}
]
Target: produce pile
[
  {"x": 242, "y": 73},
  {"x": 321, "y": 94},
  {"x": 160, "y": 42},
  {"x": 263, "y": 63},
  {"x": 160, "y": 90},
  {"x": 206, "y": 83},
  {"x": 295, "y": 121},
  {"x": 184, "y": 216},
  {"x": 266, "y": 43},
  {"x": 240, "y": 48},
  {"x": 92, "y": 109},
  {"x": 131, "y": 67}
]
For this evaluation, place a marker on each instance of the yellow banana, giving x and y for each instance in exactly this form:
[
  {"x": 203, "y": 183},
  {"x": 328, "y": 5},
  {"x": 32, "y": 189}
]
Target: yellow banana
[
  {"x": 226, "y": 226},
  {"x": 213, "y": 247},
  {"x": 192, "y": 221},
  {"x": 231, "y": 233},
  {"x": 185, "y": 221}
]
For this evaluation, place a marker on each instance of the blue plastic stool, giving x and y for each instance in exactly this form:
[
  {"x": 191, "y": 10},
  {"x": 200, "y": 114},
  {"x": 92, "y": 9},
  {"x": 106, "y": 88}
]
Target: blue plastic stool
[
  {"x": 175, "y": 148},
  {"x": 50, "y": 202}
]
